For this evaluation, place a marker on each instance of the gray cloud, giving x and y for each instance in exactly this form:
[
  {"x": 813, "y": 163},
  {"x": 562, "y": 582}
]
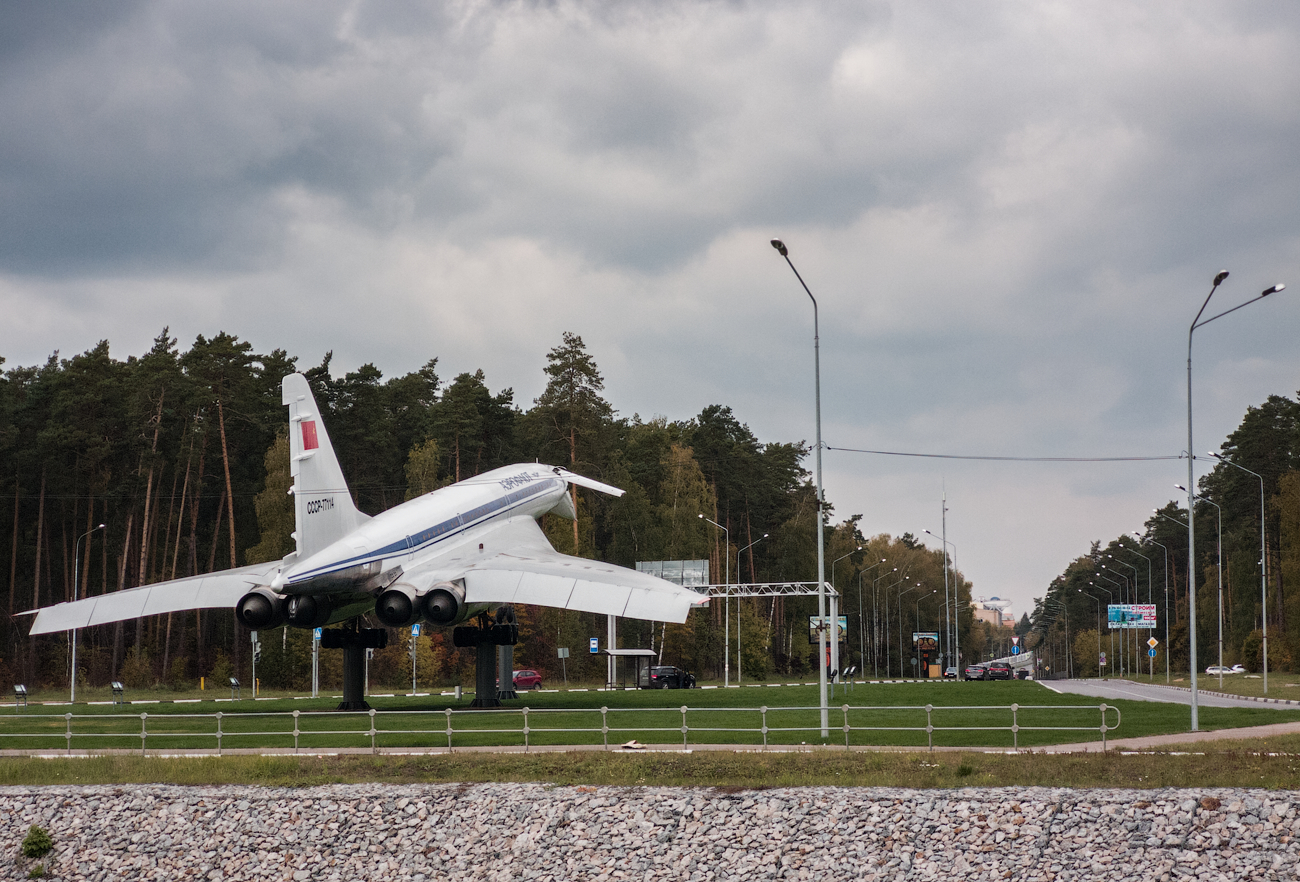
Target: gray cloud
[{"x": 1008, "y": 212}]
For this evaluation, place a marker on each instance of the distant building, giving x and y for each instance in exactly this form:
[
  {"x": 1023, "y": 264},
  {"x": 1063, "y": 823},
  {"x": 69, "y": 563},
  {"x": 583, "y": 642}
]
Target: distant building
[{"x": 993, "y": 611}]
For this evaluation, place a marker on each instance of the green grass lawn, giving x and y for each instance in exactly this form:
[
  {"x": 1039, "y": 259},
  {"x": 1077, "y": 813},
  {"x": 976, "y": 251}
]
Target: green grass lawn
[{"x": 964, "y": 714}]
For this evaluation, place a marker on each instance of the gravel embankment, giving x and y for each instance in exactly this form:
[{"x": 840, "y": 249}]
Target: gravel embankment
[{"x": 537, "y": 832}]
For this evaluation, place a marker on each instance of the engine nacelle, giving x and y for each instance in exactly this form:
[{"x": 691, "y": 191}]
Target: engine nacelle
[
  {"x": 308, "y": 611},
  {"x": 399, "y": 607},
  {"x": 444, "y": 605},
  {"x": 260, "y": 609}
]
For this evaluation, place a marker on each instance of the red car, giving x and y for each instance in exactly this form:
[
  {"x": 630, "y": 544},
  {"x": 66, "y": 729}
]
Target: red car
[{"x": 527, "y": 680}]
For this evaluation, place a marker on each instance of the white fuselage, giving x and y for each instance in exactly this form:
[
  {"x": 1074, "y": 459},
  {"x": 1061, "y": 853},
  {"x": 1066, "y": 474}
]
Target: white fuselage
[{"x": 429, "y": 526}]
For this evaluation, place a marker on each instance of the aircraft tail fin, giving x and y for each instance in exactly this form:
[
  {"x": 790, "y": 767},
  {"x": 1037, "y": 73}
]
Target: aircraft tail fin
[{"x": 323, "y": 507}]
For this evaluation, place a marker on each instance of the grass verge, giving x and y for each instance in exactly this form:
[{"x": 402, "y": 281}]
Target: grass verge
[{"x": 1263, "y": 765}]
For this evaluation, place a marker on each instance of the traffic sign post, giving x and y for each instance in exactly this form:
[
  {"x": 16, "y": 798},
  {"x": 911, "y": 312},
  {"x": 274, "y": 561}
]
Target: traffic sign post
[{"x": 1153, "y": 643}]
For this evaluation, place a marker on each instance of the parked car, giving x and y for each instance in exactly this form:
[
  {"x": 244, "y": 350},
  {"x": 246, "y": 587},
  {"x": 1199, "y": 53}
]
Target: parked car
[
  {"x": 527, "y": 680},
  {"x": 1216, "y": 669},
  {"x": 950, "y": 673},
  {"x": 976, "y": 672},
  {"x": 999, "y": 670},
  {"x": 669, "y": 677},
  {"x": 1239, "y": 669},
  {"x": 1022, "y": 674}
]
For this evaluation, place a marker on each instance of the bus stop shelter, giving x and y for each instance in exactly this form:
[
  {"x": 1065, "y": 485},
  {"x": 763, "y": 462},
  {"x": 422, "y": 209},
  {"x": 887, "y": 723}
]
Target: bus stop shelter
[{"x": 641, "y": 660}]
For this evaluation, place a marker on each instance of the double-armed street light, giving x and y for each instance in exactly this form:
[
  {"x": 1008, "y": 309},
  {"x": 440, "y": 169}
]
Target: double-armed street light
[
  {"x": 1263, "y": 560},
  {"x": 821, "y": 502},
  {"x": 1191, "y": 478}
]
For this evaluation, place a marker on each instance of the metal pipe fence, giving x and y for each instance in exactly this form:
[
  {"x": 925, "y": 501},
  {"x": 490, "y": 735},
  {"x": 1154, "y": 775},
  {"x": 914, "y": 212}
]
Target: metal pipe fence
[{"x": 532, "y": 727}]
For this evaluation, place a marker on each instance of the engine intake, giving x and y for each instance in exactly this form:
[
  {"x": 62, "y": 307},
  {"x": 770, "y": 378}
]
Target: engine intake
[
  {"x": 260, "y": 608},
  {"x": 308, "y": 611},
  {"x": 445, "y": 604},
  {"x": 398, "y": 607}
]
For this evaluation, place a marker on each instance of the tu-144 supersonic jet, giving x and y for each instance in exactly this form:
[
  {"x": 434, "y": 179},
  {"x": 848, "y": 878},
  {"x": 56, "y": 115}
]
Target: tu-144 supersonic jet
[{"x": 459, "y": 556}]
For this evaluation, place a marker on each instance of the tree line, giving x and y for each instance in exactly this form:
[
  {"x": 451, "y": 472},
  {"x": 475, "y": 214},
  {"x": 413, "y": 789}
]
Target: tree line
[
  {"x": 1258, "y": 465},
  {"x": 118, "y": 473}
]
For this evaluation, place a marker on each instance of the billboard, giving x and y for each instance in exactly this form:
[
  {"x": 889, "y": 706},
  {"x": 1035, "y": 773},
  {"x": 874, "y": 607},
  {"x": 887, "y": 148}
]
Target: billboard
[
  {"x": 925, "y": 641},
  {"x": 812, "y": 628},
  {"x": 687, "y": 573},
  {"x": 1130, "y": 615}
]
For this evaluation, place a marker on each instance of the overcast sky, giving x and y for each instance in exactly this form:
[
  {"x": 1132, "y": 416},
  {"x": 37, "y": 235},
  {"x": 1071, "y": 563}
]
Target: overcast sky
[{"x": 1008, "y": 212}]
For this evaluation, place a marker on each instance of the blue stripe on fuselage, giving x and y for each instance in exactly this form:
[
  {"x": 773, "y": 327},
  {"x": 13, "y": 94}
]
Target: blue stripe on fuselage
[{"x": 437, "y": 533}]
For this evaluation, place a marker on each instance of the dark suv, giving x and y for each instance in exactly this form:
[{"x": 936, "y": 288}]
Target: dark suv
[
  {"x": 669, "y": 677},
  {"x": 999, "y": 670}
]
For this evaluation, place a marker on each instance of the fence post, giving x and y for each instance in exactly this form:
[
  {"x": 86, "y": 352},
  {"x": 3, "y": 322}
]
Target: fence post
[
  {"x": 68, "y": 718},
  {"x": 144, "y": 731},
  {"x": 929, "y": 727},
  {"x": 685, "y": 728},
  {"x": 295, "y": 730},
  {"x": 845, "y": 708},
  {"x": 218, "y": 733},
  {"x": 448, "y": 711},
  {"x": 525, "y": 730},
  {"x": 1015, "y": 727},
  {"x": 373, "y": 747},
  {"x": 604, "y": 725},
  {"x": 763, "y": 716},
  {"x": 1103, "y": 728}
]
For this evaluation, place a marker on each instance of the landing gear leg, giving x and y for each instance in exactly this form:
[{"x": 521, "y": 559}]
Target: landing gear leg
[
  {"x": 354, "y": 641},
  {"x": 490, "y": 633}
]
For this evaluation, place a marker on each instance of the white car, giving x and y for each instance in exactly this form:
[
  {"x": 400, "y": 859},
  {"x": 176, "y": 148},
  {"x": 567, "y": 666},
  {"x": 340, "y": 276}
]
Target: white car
[{"x": 1224, "y": 669}]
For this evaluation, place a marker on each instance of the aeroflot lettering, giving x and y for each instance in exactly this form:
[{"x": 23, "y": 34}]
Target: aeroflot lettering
[
  {"x": 316, "y": 505},
  {"x": 516, "y": 480}
]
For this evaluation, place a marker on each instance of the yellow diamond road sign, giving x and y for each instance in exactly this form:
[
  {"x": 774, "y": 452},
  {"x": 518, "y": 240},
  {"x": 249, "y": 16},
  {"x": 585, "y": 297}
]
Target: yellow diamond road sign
[{"x": 1153, "y": 642}]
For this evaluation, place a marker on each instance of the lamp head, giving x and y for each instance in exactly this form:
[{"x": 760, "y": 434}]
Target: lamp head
[
  {"x": 780, "y": 246},
  {"x": 1219, "y": 277},
  {"x": 101, "y": 526},
  {"x": 1272, "y": 290}
]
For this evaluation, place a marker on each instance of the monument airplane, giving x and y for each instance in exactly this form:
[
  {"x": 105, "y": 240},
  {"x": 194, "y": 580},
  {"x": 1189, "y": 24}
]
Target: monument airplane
[{"x": 458, "y": 557}]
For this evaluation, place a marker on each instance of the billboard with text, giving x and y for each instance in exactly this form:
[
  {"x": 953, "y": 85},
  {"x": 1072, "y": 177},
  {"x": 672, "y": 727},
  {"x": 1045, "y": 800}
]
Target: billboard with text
[{"x": 1130, "y": 615}]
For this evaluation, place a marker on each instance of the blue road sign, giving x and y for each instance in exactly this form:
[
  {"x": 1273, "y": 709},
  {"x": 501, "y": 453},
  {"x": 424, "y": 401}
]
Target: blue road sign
[
  {"x": 1151, "y": 652},
  {"x": 415, "y": 630},
  {"x": 1015, "y": 650},
  {"x": 595, "y": 644}
]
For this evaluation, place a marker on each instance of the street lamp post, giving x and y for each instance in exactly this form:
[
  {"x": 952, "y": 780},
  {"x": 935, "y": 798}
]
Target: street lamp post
[
  {"x": 835, "y": 617},
  {"x": 1220, "y": 569},
  {"x": 1191, "y": 478},
  {"x": 888, "y": 640},
  {"x": 1263, "y": 558},
  {"x": 901, "y": 622},
  {"x": 1121, "y": 636},
  {"x": 1149, "y": 597},
  {"x": 726, "y": 605},
  {"x": 862, "y": 631},
  {"x": 740, "y": 669},
  {"x": 821, "y": 501},
  {"x": 1109, "y": 630},
  {"x": 1166, "y": 551},
  {"x": 1137, "y": 662},
  {"x": 76, "y": 583},
  {"x": 954, "y": 621}
]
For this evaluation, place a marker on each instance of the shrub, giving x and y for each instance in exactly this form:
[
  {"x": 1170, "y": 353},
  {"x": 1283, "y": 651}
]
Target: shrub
[{"x": 37, "y": 843}]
